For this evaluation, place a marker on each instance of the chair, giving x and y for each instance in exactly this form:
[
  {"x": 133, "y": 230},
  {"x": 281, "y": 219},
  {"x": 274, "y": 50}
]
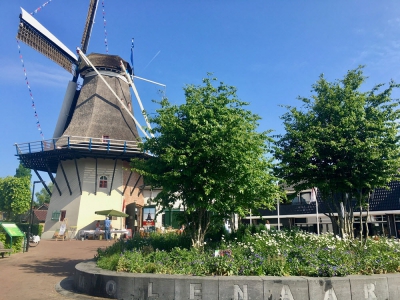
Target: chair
[
  {"x": 62, "y": 233},
  {"x": 72, "y": 232}
]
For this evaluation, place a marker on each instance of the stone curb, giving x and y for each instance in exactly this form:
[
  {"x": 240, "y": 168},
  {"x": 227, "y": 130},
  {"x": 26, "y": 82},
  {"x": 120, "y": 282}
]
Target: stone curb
[
  {"x": 66, "y": 288},
  {"x": 91, "y": 280}
]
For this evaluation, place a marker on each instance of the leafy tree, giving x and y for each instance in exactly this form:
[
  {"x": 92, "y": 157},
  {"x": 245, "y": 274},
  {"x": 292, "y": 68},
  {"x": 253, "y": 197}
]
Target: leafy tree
[
  {"x": 21, "y": 171},
  {"x": 15, "y": 195},
  {"x": 342, "y": 141},
  {"x": 207, "y": 156},
  {"x": 43, "y": 196}
]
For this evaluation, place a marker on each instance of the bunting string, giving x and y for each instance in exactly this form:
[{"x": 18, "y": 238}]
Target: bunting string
[
  {"x": 30, "y": 92},
  {"x": 40, "y": 8},
  {"x": 105, "y": 30}
]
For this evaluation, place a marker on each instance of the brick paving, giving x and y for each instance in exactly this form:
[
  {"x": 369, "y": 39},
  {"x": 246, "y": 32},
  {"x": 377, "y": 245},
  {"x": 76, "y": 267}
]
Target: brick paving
[{"x": 33, "y": 275}]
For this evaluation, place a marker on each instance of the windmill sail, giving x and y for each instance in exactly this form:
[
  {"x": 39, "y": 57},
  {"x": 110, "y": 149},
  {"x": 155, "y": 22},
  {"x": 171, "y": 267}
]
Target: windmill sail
[
  {"x": 89, "y": 25},
  {"x": 34, "y": 34}
]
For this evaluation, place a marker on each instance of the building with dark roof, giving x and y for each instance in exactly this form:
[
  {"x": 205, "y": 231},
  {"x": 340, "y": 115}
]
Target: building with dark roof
[{"x": 384, "y": 212}]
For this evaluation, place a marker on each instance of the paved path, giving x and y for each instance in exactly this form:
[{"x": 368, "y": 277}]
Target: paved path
[{"x": 33, "y": 275}]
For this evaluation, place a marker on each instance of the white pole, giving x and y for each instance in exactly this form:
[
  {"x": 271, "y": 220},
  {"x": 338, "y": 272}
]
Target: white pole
[
  {"x": 279, "y": 220},
  {"x": 149, "y": 81},
  {"x": 314, "y": 198},
  {"x": 137, "y": 96},
  {"x": 316, "y": 207},
  {"x": 112, "y": 91}
]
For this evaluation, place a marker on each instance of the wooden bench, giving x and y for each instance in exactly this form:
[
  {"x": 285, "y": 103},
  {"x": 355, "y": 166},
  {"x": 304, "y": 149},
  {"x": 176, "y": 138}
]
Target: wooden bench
[{"x": 3, "y": 250}]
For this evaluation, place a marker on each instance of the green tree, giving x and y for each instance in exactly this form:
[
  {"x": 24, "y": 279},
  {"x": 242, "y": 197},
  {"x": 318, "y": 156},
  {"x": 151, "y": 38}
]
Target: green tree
[
  {"x": 208, "y": 156},
  {"x": 21, "y": 171},
  {"x": 15, "y": 195},
  {"x": 43, "y": 196},
  {"x": 342, "y": 141}
]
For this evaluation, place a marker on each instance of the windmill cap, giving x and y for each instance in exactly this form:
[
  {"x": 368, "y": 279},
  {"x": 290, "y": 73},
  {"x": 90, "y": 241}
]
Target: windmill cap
[{"x": 104, "y": 61}]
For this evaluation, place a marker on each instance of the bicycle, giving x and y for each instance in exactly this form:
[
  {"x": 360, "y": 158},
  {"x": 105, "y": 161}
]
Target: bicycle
[{"x": 33, "y": 240}]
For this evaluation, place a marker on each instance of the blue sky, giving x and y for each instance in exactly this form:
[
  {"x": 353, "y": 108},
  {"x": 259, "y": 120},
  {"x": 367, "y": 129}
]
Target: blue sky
[{"x": 271, "y": 51}]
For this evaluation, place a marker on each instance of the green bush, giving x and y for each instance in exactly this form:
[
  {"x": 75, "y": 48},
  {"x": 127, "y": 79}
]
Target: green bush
[
  {"x": 36, "y": 229},
  {"x": 17, "y": 242},
  {"x": 263, "y": 252}
]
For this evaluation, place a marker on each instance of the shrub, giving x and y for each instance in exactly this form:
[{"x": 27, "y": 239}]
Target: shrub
[
  {"x": 265, "y": 252},
  {"x": 36, "y": 229},
  {"x": 17, "y": 242}
]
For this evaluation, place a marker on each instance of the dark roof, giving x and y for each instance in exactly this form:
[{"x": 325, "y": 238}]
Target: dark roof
[
  {"x": 44, "y": 206},
  {"x": 40, "y": 215},
  {"x": 382, "y": 200},
  {"x": 386, "y": 199},
  {"x": 104, "y": 61}
]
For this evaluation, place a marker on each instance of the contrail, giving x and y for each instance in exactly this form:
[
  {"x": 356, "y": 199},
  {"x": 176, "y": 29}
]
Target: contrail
[{"x": 151, "y": 60}]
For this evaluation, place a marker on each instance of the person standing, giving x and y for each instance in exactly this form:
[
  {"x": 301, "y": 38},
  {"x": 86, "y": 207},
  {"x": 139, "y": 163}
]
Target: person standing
[
  {"x": 267, "y": 225},
  {"x": 107, "y": 228}
]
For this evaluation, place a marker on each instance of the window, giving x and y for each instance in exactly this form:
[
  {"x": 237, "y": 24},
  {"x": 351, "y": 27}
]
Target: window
[
  {"x": 55, "y": 216},
  {"x": 106, "y": 138},
  {"x": 378, "y": 218},
  {"x": 305, "y": 197},
  {"x": 103, "y": 182},
  {"x": 62, "y": 215},
  {"x": 302, "y": 198}
]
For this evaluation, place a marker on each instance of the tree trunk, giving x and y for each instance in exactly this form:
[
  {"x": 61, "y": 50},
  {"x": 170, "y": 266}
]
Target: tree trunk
[
  {"x": 199, "y": 227},
  {"x": 366, "y": 223}
]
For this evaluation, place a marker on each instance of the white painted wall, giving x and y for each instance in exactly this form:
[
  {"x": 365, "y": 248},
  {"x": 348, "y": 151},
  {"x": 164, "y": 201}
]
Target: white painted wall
[{"x": 81, "y": 208}]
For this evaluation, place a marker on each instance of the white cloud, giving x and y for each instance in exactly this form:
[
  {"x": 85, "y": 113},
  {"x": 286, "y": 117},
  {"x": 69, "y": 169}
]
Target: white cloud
[{"x": 49, "y": 75}]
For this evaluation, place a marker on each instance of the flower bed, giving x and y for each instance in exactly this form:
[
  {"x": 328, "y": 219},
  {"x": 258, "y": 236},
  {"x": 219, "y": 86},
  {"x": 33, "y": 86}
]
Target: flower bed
[{"x": 278, "y": 253}]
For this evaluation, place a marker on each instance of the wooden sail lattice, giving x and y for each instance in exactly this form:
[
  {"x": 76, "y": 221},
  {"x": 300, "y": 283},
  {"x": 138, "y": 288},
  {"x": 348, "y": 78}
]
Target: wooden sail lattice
[
  {"x": 35, "y": 39},
  {"x": 89, "y": 24}
]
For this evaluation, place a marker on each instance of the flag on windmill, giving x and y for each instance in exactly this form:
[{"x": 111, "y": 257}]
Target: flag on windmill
[{"x": 132, "y": 46}]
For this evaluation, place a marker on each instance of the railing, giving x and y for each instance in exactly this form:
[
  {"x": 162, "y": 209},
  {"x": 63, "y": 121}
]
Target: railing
[{"x": 79, "y": 143}]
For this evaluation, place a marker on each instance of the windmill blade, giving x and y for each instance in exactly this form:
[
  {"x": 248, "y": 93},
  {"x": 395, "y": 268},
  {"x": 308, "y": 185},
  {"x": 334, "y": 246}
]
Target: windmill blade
[
  {"x": 34, "y": 34},
  {"x": 89, "y": 25}
]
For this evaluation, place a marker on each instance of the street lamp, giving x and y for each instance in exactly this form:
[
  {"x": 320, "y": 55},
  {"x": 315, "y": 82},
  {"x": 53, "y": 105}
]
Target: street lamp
[{"x": 30, "y": 216}]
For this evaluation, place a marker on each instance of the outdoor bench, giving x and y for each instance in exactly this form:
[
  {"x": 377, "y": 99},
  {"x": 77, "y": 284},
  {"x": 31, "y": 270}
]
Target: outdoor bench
[{"x": 3, "y": 250}]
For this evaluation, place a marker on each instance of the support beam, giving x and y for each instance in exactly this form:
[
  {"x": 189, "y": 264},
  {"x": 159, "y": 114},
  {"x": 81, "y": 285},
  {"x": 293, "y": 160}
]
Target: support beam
[
  {"x": 132, "y": 85},
  {"x": 77, "y": 173},
  {"x": 65, "y": 177},
  {"x": 87, "y": 61},
  {"x": 95, "y": 180},
  {"x": 44, "y": 184},
  {"x": 53, "y": 180},
  {"x": 126, "y": 184},
  {"x": 134, "y": 187},
  {"x": 112, "y": 180}
]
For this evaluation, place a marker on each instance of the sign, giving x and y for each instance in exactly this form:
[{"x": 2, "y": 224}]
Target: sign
[
  {"x": 12, "y": 229},
  {"x": 63, "y": 227},
  {"x": 149, "y": 216}
]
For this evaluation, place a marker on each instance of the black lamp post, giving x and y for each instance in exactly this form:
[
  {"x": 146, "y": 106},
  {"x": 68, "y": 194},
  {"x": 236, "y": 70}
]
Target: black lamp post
[{"x": 30, "y": 216}]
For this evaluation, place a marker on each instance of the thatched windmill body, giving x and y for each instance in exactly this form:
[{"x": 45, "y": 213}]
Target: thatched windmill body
[{"x": 95, "y": 137}]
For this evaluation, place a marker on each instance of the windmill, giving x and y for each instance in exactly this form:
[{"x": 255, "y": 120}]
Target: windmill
[{"x": 96, "y": 133}]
